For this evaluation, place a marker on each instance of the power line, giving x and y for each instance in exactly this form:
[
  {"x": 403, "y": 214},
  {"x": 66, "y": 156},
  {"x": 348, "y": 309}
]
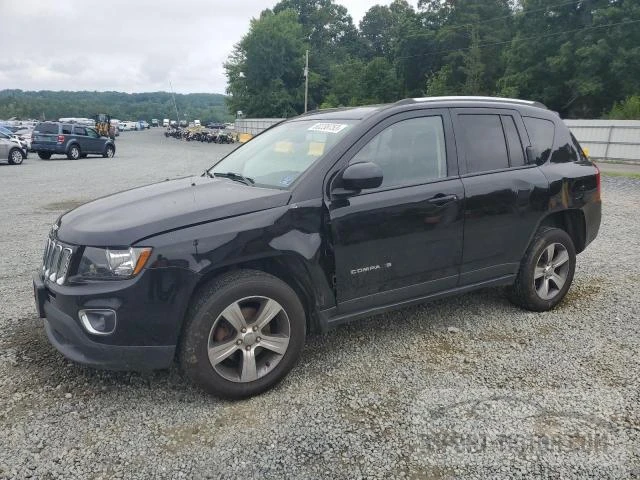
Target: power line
[
  {"x": 512, "y": 15},
  {"x": 533, "y": 37},
  {"x": 523, "y": 12}
]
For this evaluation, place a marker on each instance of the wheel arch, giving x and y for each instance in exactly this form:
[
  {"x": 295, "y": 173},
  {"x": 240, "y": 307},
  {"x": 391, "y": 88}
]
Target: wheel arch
[
  {"x": 72, "y": 144},
  {"x": 571, "y": 221},
  {"x": 285, "y": 267}
]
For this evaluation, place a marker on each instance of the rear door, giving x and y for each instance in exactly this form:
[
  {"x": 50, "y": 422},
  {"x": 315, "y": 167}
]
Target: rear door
[
  {"x": 404, "y": 239},
  {"x": 504, "y": 195}
]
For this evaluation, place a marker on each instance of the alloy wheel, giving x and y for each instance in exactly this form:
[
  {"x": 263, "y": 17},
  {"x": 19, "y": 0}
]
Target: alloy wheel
[
  {"x": 551, "y": 272},
  {"x": 16, "y": 157},
  {"x": 248, "y": 339}
]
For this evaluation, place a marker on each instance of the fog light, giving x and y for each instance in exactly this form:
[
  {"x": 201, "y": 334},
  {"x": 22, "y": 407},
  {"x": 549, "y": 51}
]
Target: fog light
[{"x": 98, "y": 321}]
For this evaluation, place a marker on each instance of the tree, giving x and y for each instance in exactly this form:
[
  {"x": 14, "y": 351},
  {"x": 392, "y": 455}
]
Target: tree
[
  {"x": 265, "y": 69},
  {"x": 629, "y": 109}
]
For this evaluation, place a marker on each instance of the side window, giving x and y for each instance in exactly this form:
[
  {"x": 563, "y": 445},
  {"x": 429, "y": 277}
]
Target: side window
[
  {"x": 66, "y": 129},
  {"x": 484, "y": 142},
  {"x": 541, "y": 133},
  {"x": 92, "y": 133},
  {"x": 516, "y": 154},
  {"x": 408, "y": 152},
  {"x": 79, "y": 131}
]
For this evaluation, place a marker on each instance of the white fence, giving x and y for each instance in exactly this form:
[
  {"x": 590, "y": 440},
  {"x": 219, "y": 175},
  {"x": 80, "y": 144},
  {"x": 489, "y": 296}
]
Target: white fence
[
  {"x": 616, "y": 140},
  {"x": 254, "y": 126}
]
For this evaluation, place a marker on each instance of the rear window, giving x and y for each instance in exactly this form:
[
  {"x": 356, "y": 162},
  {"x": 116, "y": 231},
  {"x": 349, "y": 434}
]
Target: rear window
[
  {"x": 66, "y": 129},
  {"x": 541, "y": 133},
  {"x": 47, "y": 128}
]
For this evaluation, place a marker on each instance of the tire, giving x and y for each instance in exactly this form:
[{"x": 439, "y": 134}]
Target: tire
[
  {"x": 248, "y": 293},
  {"x": 74, "y": 152},
  {"x": 109, "y": 151},
  {"x": 16, "y": 156},
  {"x": 44, "y": 155},
  {"x": 537, "y": 269}
]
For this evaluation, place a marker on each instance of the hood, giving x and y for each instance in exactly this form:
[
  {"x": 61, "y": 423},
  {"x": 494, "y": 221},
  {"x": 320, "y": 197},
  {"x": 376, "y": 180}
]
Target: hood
[{"x": 124, "y": 218}]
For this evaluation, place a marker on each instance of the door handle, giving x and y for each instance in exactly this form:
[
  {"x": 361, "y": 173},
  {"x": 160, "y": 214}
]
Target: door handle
[{"x": 441, "y": 200}]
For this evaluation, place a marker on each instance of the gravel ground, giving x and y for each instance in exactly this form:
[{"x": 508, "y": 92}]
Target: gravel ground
[{"x": 469, "y": 387}]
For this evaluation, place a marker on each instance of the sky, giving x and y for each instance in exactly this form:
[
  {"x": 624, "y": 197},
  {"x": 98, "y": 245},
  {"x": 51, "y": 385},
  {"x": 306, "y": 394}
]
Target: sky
[{"x": 126, "y": 45}]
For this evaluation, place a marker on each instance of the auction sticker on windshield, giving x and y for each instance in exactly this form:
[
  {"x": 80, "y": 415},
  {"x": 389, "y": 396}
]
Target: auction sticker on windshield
[{"x": 328, "y": 127}]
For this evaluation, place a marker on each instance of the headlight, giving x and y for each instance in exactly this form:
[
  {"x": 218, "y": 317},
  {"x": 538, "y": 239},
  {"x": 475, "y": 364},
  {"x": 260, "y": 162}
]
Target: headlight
[{"x": 107, "y": 263}]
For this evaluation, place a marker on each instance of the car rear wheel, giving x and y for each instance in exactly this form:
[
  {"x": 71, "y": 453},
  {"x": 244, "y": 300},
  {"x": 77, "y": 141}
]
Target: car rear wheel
[
  {"x": 244, "y": 332},
  {"x": 74, "y": 152},
  {"x": 44, "y": 156},
  {"x": 546, "y": 272},
  {"x": 16, "y": 156},
  {"x": 109, "y": 152}
]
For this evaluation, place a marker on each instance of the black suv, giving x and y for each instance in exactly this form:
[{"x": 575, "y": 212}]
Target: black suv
[
  {"x": 322, "y": 219},
  {"x": 73, "y": 140}
]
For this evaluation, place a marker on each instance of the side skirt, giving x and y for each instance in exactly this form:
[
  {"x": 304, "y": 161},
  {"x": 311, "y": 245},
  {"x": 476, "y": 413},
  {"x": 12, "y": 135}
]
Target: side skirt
[{"x": 330, "y": 318}]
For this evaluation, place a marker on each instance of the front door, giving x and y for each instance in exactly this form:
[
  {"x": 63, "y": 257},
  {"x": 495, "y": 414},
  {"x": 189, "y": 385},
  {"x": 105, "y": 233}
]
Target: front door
[
  {"x": 404, "y": 239},
  {"x": 96, "y": 143}
]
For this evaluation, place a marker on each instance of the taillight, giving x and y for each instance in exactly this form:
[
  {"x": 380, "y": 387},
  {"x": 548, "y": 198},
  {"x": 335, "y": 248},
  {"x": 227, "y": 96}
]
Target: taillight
[
  {"x": 60, "y": 138},
  {"x": 597, "y": 179}
]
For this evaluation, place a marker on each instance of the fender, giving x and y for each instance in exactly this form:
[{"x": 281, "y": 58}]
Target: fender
[{"x": 286, "y": 241}]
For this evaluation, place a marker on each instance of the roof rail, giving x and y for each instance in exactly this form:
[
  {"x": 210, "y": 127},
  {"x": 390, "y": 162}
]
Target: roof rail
[{"x": 471, "y": 98}]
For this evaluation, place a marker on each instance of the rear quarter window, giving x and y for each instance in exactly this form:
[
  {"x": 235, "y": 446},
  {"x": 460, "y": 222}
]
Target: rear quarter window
[
  {"x": 47, "y": 128},
  {"x": 541, "y": 133}
]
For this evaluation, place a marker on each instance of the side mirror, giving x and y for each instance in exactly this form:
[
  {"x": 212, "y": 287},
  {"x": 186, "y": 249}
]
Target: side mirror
[{"x": 357, "y": 177}]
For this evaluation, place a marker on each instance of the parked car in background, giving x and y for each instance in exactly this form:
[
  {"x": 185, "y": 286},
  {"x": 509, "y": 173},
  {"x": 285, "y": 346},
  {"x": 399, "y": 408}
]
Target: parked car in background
[
  {"x": 24, "y": 142},
  {"x": 196, "y": 123},
  {"x": 73, "y": 140},
  {"x": 154, "y": 122},
  {"x": 24, "y": 134},
  {"x": 11, "y": 150},
  {"x": 142, "y": 125},
  {"x": 165, "y": 122}
]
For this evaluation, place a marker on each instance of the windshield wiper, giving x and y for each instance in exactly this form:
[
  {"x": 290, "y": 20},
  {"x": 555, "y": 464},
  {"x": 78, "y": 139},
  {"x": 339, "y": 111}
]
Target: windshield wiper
[{"x": 233, "y": 176}]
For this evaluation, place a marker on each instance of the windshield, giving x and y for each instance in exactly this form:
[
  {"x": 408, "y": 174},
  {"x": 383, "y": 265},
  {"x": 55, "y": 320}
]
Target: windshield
[{"x": 281, "y": 154}]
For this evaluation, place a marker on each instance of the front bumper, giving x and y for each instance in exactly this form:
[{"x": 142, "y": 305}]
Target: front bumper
[{"x": 59, "y": 309}]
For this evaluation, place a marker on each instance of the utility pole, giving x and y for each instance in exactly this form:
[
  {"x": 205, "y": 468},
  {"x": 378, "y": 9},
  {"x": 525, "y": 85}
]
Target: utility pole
[
  {"x": 306, "y": 81},
  {"x": 174, "y": 104}
]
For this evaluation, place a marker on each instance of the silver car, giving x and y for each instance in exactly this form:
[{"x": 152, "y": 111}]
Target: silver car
[{"x": 11, "y": 149}]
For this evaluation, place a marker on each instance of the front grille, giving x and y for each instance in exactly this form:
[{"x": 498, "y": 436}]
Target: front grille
[{"x": 56, "y": 260}]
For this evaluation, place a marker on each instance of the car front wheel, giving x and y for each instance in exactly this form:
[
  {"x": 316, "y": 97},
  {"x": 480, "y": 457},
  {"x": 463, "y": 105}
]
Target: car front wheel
[
  {"x": 16, "y": 156},
  {"x": 244, "y": 332},
  {"x": 546, "y": 272},
  {"x": 109, "y": 152}
]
